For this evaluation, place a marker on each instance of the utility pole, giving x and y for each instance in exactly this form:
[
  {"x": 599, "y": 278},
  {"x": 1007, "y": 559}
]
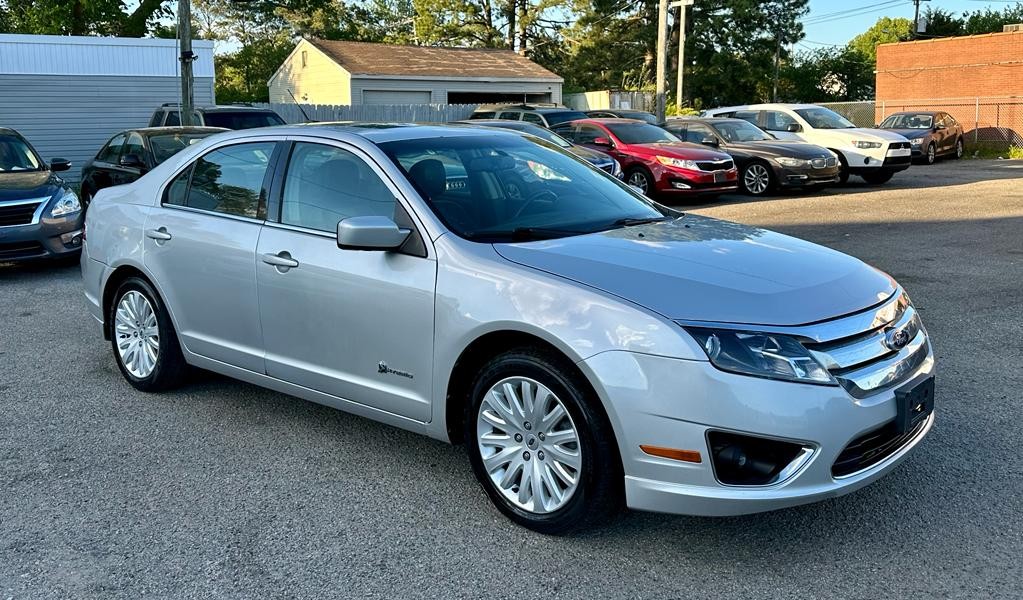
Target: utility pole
[
  {"x": 916, "y": 16},
  {"x": 682, "y": 6},
  {"x": 662, "y": 55},
  {"x": 777, "y": 62},
  {"x": 186, "y": 58}
]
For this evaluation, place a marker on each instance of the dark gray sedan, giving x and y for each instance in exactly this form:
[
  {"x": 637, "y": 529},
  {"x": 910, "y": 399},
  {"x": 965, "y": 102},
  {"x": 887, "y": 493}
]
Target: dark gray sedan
[
  {"x": 764, "y": 162},
  {"x": 932, "y": 133}
]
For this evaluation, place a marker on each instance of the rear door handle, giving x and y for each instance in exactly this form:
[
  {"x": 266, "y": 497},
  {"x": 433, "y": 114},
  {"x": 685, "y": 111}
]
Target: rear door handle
[
  {"x": 159, "y": 235},
  {"x": 282, "y": 260}
]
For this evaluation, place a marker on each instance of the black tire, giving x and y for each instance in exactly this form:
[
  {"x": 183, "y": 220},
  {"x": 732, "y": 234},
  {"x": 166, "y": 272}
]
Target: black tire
[
  {"x": 763, "y": 169},
  {"x": 86, "y": 198},
  {"x": 931, "y": 154},
  {"x": 635, "y": 174},
  {"x": 959, "y": 149},
  {"x": 878, "y": 177},
  {"x": 600, "y": 491},
  {"x": 170, "y": 369},
  {"x": 843, "y": 168}
]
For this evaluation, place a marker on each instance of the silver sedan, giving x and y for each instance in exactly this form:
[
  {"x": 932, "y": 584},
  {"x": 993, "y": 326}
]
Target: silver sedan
[{"x": 592, "y": 349}]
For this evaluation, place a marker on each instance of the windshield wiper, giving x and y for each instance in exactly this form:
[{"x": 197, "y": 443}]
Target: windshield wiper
[
  {"x": 521, "y": 234},
  {"x": 628, "y": 222}
]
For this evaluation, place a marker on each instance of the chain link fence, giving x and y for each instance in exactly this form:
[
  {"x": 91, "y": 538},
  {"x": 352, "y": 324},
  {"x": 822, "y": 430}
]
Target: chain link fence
[{"x": 994, "y": 122}]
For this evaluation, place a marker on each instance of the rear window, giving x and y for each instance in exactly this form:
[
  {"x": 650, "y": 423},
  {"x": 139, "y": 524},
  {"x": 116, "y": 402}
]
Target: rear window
[
  {"x": 489, "y": 114},
  {"x": 166, "y": 146},
  {"x": 553, "y": 118},
  {"x": 242, "y": 119}
]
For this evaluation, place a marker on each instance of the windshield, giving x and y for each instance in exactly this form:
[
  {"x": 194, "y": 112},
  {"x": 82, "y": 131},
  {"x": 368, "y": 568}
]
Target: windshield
[
  {"x": 508, "y": 188},
  {"x": 640, "y": 133},
  {"x": 822, "y": 118},
  {"x": 740, "y": 131},
  {"x": 917, "y": 121},
  {"x": 17, "y": 155},
  {"x": 166, "y": 146},
  {"x": 242, "y": 119},
  {"x": 642, "y": 116},
  {"x": 553, "y": 118}
]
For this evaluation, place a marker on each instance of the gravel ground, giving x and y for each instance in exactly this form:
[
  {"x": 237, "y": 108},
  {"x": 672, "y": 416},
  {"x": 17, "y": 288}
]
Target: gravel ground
[{"x": 225, "y": 490}]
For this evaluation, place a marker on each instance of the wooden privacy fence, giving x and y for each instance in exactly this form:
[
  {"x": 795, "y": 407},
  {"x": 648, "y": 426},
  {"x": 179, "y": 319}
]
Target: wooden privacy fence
[{"x": 373, "y": 113}]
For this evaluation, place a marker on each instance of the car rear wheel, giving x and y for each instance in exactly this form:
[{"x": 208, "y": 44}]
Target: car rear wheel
[
  {"x": 878, "y": 177},
  {"x": 931, "y": 154},
  {"x": 640, "y": 178},
  {"x": 757, "y": 179},
  {"x": 143, "y": 339},
  {"x": 540, "y": 445}
]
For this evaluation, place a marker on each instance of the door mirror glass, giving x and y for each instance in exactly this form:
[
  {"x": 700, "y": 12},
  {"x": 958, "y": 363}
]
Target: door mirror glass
[
  {"x": 370, "y": 233},
  {"x": 601, "y": 141},
  {"x": 132, "y": 161},
  {"x": 793, "y": 128},
  {"x": 710, "y": 141},
  {"x": 60, "y": 164}
]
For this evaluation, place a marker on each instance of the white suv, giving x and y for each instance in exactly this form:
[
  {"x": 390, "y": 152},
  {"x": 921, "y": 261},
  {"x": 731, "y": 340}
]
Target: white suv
[{"x": 873, "y": 154}]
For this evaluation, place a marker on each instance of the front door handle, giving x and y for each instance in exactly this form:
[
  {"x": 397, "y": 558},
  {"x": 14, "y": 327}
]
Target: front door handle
[
  {"x": 160, "y": 235},
  {"x": 282, "y": 260}
]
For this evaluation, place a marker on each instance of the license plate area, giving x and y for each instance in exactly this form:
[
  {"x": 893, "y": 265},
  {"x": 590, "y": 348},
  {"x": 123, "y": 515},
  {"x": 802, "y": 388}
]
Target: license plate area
[
  {"x": 914, "y": 403},
  {"x": 720, "y": 176},
  {"x": 899, "y": 152}
]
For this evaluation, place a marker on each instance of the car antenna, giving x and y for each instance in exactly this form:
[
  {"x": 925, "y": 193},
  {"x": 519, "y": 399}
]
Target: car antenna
[{"x": 307, "y": 119}]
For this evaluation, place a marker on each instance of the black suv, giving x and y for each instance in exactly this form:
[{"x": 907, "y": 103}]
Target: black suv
[
  {"x": 544, "y": 115},
  {"x": 232, "y": 116}
]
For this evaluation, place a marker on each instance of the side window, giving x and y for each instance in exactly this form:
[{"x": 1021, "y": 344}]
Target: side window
[
  {"x": 775, "y": 121},
  {"x": 532, "y": 118},
  {"x": 112, "y": 150},
  {"x": 134, "y": 146},
  {"x": 750, "y": 116},
  {"x": 325, "y": 184},
  {"x": 230, "y": 180},
  {"x": 177, "y": 191},
  {"x": 157, "y": 118},
  {"x": 509, "y": 115},
  {"x": 697, "y": 132},
  {"x": 950, "y": 121},
  {"x": 567, "y": 131},
  {"x": 173, "y": 119},
  {"x": 587, "y": 133}
]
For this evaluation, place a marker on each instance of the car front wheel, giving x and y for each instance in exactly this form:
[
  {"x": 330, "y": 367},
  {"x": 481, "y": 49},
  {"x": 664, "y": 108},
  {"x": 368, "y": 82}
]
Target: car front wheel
[
  {"x": 540, "y": 445},
  {"x": 932, "y": 154},
  {"x": 143, "y": 339},
  {"x": 756, "y": 179},
  {"x": 959, "y": 148},
  {"x": 640, "y": 179}
]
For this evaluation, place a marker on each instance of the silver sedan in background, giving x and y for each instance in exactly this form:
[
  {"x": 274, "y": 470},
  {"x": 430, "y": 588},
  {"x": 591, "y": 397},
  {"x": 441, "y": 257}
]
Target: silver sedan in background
[{"x": 592, "y": 349}]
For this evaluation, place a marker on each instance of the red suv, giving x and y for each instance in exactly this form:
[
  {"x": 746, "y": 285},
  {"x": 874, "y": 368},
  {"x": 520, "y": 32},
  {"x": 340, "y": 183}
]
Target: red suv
[{"x": 654, "y": 160}]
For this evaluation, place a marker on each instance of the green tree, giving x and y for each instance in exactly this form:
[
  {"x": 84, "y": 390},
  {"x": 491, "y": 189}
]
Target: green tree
[
  {"x": 834, "y": 74},
  {"x": 886, "y": 30},
  {"x": 991, "y": 21},
  {"x": 942, "y": 23},
  {"x": 82, "y": 17}
]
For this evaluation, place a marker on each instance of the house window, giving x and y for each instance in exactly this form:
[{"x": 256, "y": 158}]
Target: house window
[{"x": 305, "y": 58}]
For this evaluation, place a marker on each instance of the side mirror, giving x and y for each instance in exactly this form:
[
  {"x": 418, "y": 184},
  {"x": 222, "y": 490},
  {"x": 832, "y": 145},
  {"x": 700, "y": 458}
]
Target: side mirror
[
  {"x": 710, "y": 141},
  {"x": 602, "y": 141},
  {"x": 60, "y": 164},
  {"x": 132, "y": 161},
  {"x": 793, "y": 128},
  {"x": 370, "y": 233}
]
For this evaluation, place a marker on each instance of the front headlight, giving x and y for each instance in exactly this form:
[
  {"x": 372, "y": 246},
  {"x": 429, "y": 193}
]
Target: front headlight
[
  {"x": 916, "y": 141},
  {"x": 760, "y": 355},
  {"x": 678, "y": 162},
  {"x": 67, "y": 204},
  {"x": 865, "y": 145},
  {"x": 792, "y": 162}
]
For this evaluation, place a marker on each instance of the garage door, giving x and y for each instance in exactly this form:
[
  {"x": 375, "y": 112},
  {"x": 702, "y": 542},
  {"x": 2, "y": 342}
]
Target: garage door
[{"x": 394, "y": 97}]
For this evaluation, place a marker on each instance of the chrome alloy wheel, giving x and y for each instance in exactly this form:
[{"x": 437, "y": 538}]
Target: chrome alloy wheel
[
  {"x": 137, "y": 334},
  {"x": 756, "y": 179},
  {"x": 639, "y": 179},
  {"x": 529, "y": 445}
]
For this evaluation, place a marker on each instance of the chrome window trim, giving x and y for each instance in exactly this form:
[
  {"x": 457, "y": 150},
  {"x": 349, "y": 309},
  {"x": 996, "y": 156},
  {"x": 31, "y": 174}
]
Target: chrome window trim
[
  {"x": 36, "y": 216},
  {"x": 212, "y": 213}
]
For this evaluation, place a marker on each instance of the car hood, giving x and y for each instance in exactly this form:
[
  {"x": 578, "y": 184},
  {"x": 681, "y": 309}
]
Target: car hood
[
  {"x": 27, "y": 185},
  {"x": 911, "y": 133},
  {"x": 683, "y": 150},
  {"x": 702, "y": 269},
  {"x": 780, "y": 148},
  {"x": 591, "y": 156},
  {"x": 864, "y": 133}
]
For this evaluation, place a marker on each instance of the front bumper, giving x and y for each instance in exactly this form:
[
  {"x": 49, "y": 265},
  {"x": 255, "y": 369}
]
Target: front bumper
[
  {"x": 793, "y": 177},
  {"x": 695, "y": 183},
  {"x": 50, "y": 237},
  {"x": 658, "y": 401}
]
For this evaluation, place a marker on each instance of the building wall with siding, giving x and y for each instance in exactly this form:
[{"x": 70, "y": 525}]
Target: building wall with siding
[
  {"x": 319, "y": 81},
  {"x": 439, "y": 88},
  {"x": 68, "y": 95}
]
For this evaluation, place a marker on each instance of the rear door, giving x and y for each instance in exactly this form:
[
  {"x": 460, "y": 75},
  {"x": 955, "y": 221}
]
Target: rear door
[
  {"x": 200, "y": 245},
  {"x": 103, "y": 171}
]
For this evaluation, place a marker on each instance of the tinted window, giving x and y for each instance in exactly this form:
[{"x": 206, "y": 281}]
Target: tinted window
[
  {"x": 553, "y": 118},
  {"x": 230, "y": 180},
  {"x": 823, "y": 118},
  {"x": 177, "y": 191},
  {"x": 242, "y": 119},
  {"x": 17, "y": 155},
  {"x": 483, "y": 115},
  {"x": 750, "y": 116},
  {"x": 586, "y": 134},
  {"x": 167, "y": 145},
  {"x": 640, "y": 133},
  {"x": 532, "y": 118},
  {"x": 697, "y": 132},
  {"x": 134, "y": 146},
  {"x": 157, "y": 119},
  {"x": 173, "y": 119},
  {"x": 775, "y": 120},
  {"x": 509, "y": 116},
  {"x": 909, "y": 121},
  {"x": 518, "y": 184},
  {"x": 741, "y": 131},
  {"x": 325, "y": 184},
  {"x": 642, "y": 116},
  {"x": 112, "y": 150}
]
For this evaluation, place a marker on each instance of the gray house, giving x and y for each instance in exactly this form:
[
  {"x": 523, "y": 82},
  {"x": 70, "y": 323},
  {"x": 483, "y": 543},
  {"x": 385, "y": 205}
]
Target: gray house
[
  {"x": 348, "y": 73},
  {"x": 68, "y": 95}
]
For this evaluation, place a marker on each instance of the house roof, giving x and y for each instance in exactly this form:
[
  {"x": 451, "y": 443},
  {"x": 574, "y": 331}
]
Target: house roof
[{"x": 365, "y": 58}]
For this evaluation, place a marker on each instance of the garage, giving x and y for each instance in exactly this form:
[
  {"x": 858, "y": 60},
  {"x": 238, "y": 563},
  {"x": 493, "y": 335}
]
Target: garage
[{"x": 395, "y": 97}]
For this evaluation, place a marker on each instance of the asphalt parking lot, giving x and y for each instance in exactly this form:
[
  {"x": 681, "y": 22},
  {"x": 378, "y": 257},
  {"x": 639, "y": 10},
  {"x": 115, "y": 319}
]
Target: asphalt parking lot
[{"x": 226, "y": 490}]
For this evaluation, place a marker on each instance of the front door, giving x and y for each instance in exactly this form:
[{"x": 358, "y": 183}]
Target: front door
[
  {"x": 354, "y": 324},
  {"x": 200, "y": 244}
]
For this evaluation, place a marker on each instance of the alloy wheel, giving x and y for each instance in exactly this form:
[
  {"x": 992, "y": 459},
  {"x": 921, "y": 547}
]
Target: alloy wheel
[
  {"x": 638, "y": 179},
  {"x": 529, "y": 445},
  {"x": 959, "y": 148},
  {"x": 137, "y": 334},
  {"x": 932, "y": 154},
  {"x": 756, "y": 179}
]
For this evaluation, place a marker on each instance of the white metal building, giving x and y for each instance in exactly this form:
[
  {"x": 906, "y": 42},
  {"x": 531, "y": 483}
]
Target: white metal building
[
  {"x": 68, "y": 95},
  {"x": 353, "y": 73}
]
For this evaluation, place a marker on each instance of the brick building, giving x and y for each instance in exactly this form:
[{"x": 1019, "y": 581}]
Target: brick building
[{"x": 977, "y": 78}]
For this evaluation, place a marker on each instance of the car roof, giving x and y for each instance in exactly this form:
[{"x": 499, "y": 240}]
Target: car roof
[
  {"x": 524, "y": 108},
  {"x": 220, "y": 108},
  {"x": 608, "y": 121},
  {"x": 150, "y": 131},
  {"x": 377, "y": 133},
  {"x": 623, "y": 111},
  {"x": 769, "y": 106},
  {"x": 915, "y": 112}
]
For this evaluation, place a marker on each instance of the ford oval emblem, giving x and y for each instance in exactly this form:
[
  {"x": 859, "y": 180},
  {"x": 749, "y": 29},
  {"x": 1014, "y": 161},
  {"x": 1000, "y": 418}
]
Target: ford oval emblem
[{"x": 897, "y": 339}]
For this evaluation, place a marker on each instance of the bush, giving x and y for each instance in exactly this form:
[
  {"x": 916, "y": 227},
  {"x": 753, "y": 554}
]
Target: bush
[
  {"x": 673, "y": 110},
  {"x": 1016, "y": 152}
]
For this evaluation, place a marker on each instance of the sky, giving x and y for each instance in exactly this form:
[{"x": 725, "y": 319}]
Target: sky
[{"x": 837, "y": 21}]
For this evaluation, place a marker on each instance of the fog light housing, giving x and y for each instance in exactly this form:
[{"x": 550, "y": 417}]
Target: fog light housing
[
  {"x": 72, "y": 238},
  {"x": 678, "y": 185},
  {"x": 749, "y": 460}
]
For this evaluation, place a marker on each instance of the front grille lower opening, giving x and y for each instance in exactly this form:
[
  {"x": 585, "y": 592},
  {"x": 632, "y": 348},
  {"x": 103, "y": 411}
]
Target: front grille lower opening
[{"x": 871, "y": 448}]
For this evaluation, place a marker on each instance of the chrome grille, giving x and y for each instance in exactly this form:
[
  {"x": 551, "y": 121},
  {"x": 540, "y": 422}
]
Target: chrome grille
[
  {"x": 823, "y": 163},
  {"x": 20, "y": 212}
]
